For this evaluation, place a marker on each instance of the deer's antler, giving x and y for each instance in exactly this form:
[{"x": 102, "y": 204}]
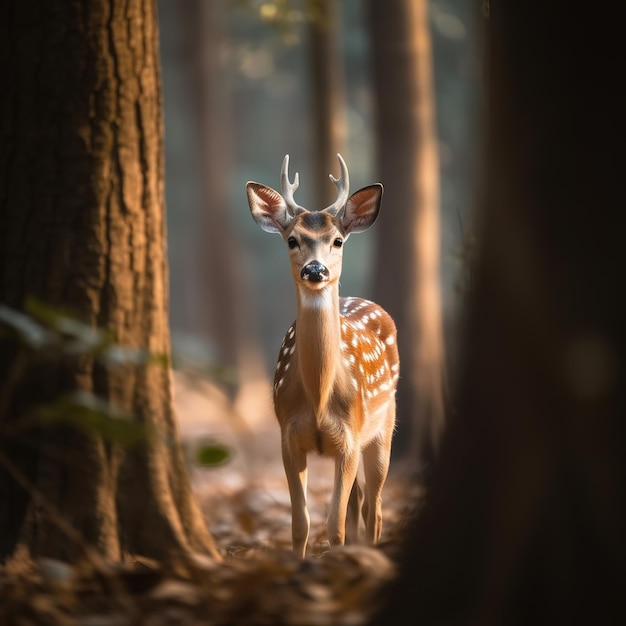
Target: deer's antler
[
  {"x": 287, "y": 188},
  {"x": 343, "y": 188}
]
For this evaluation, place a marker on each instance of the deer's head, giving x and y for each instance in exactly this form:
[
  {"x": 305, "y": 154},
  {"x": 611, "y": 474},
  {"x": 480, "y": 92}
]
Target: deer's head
[{"x": 315, "y": 238}]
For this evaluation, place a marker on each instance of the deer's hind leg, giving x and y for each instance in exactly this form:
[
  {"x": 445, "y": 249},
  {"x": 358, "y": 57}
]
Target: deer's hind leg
[
  {"x": 376, "y": 458},
  {"x": 355, "y": 506}
]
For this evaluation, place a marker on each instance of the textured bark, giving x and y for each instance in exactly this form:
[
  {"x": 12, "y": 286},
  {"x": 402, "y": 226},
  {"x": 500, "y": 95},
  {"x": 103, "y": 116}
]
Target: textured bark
[
  {"x": 524, "y": 521},
  {"x": 82, "y": 226},
  {"x": 406, "y": 270}
]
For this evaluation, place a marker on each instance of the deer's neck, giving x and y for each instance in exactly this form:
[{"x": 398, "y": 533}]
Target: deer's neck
[{"x": 318, "y": 343}]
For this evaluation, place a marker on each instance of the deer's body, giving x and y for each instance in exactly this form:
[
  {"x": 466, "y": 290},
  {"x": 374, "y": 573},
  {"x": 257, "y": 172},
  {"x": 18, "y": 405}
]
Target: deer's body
[
  {"x": 338, "y": 366},
  {"x": 321, "y": 407}
]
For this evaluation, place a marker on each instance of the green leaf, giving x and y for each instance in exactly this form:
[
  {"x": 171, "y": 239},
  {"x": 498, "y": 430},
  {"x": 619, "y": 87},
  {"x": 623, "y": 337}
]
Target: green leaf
[
  {"x": 213, "y": 454},
  {"x": 77, "y": 337},
  {"x": 124, "y": 355},
  {"x": 31, "y": 332},
  {"x": 95, "y": 416}
]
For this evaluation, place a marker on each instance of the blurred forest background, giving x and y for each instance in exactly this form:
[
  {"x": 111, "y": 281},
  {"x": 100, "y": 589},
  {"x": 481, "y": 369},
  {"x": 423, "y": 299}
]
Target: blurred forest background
[
  {"x": 238, "y": 96},
  {"x": 524, "y": 518}
]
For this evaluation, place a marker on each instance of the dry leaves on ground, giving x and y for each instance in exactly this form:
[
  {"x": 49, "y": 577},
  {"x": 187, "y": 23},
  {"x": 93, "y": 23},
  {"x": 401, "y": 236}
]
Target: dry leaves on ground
[{"x": 260, "y": 581}]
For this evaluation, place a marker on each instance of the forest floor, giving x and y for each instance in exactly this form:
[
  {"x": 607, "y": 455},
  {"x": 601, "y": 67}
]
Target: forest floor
[{"x": 260, "y": 581}]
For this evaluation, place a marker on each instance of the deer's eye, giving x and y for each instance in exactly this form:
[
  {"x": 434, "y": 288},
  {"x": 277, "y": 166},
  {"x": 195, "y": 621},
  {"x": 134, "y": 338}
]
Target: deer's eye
[
  {"x": 338, "y": 243},
  {"x": 291, "y": 242}
]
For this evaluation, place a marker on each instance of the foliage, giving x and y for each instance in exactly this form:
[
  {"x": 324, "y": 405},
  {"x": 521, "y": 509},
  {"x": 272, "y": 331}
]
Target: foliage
[
  {"x": 286, "y": 16},
  {"x": 50, "y": 334},
  {"x": 196, "y": 362},
  {"x": 212, "y": 454},
  {"x": 95, "y": 416}
]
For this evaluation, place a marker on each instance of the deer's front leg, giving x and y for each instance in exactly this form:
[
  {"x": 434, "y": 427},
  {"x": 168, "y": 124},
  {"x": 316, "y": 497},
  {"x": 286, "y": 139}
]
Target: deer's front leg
[
  {"x": 346, "y": 465},
  {"x": 294, "y": 462}
]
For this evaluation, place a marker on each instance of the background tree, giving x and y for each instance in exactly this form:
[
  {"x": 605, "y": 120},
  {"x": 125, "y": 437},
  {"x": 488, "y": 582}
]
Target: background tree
[
  {"x": 406, "y": 269},
  {"x": 222, "y": 311},
  {"x": 525, "y": 515},
  {"x": 328, "y": 104},
  {"x": 82, "y": 226}
]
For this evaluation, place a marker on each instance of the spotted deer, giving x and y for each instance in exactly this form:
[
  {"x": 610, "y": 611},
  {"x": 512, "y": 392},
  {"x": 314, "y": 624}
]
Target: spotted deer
[{"x": 338, "y": 366}]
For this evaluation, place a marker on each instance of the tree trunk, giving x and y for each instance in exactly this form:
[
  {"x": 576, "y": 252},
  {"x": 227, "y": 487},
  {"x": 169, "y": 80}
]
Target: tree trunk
[
  {"x": 327, "y": 99},
  {"x": 82, "y": 227},
  {"x": 524, "y": 521},
  {"x": 227, "y": 318},
  {"x": 406, "y": 269}
]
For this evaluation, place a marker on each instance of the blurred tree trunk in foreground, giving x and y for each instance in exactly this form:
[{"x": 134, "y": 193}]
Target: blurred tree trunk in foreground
[
  {"x": 82, "y": 227},
  {"x": 328, "y": 99},
  {"x": 226, "y": 316},
  {"x": 524, "y": 521},
  {"x": 406, "y": 269}
]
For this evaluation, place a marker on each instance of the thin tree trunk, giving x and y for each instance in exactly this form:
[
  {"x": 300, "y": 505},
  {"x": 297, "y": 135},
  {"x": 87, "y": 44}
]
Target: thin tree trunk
[
  {"x": 227, "y": 317},
  {"x": 328, "y": 99},
  {"x": 406, "y": 269},
  {"x": 82, "y": 227}
]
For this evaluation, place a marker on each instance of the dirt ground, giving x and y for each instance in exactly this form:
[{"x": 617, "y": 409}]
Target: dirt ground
[{"x": 246, "y": 502}]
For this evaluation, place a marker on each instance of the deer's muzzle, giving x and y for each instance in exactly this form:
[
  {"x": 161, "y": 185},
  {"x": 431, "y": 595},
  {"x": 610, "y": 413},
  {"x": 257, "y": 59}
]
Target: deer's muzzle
[{"x": 315, "y": 272}]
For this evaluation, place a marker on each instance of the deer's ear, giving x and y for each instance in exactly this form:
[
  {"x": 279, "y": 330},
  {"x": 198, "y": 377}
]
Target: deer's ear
[
  {"x": 362, "y": 208},
  {"x": 268, "y": 208}
]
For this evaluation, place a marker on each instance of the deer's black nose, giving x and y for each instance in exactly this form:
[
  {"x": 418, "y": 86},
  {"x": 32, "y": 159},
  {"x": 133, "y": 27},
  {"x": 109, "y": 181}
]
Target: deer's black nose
[{"x": 315, "y": 272}]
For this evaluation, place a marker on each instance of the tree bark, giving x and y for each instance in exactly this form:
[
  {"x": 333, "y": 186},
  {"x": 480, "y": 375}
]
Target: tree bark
[
  {"x": 524, "y": 520},
  {"x": 82, "y": 226},
  {"x": 406, "y": 269}
]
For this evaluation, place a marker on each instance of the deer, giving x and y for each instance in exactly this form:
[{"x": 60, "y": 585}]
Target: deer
[{"x": 338, "y": 366}]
